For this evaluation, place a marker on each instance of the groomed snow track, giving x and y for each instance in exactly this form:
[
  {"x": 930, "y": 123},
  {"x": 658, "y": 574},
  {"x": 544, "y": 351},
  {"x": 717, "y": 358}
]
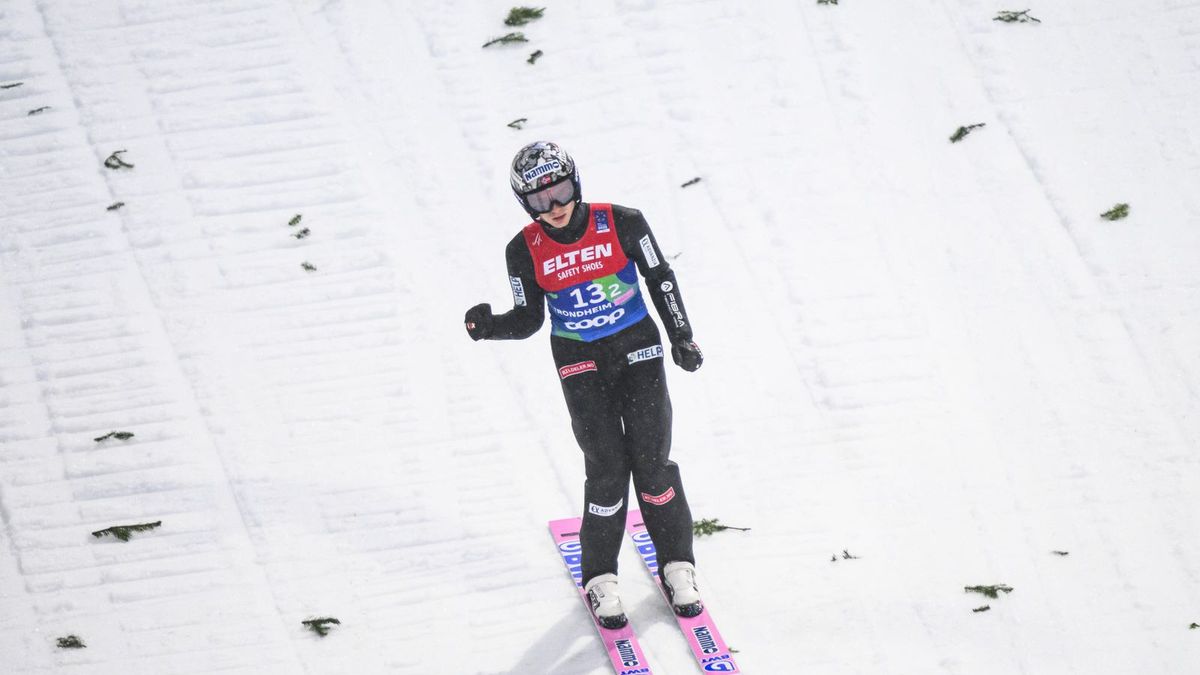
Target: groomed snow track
[{"x": 934, "y": 357}]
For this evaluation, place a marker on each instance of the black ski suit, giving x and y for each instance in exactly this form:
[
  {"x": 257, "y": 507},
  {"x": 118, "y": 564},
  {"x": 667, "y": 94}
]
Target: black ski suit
[{"x": 615, "y": 389}]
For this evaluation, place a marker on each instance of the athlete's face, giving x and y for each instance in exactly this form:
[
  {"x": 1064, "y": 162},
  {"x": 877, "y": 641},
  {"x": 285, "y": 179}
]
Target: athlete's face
[{"x": 559, "y": 216}]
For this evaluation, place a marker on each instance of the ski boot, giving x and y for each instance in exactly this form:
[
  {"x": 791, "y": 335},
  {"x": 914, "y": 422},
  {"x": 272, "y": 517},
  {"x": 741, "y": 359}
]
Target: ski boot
[
  {"x": 679, "y": 578},
  {"x": 606, "y": 603}
]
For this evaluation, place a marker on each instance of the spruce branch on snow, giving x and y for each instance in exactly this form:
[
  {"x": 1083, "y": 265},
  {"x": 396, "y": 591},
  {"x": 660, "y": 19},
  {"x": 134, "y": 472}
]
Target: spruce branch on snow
[
  {"x": 36, "y": 111},
  {"x": 519, "y": 16},
  {"x": 989, "y": 591},
  {"x": 1194, "y": 626},
  {"x": 1061, "y": 553},
  {"x": 114, "y": 161},
  {"x": 534, "y": 57},
  {"x": 71, "y": 642},
  {"x": 124, "y": 532},
  {"x": 985, "y": 608},
  {"x": 691, "y": 182},
  {"x": 1009, "y": 16},
  {"x": 302, "y": 233},
  {"x": 711, "y": 526},
  {"x": 1116, "y": 213},
  {"x": 963, "y": 131},
  {"x": 321, "y": 626},
  {"x": 295, "y": 220},
  {"x": 518, "y": 123},
  {"x": 114, "y": 206},
  {"x": 827, "y": 2},
  {"x": 506, "y": 39},
  {"x": 119, "y": 435},
  {"x": 308, "y": 267}
]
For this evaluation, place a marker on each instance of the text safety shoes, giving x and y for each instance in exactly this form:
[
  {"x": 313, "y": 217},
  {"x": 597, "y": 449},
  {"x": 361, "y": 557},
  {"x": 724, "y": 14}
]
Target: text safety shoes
[
  {"x": 679, "y": 578},
  {"x": 606, "y": 603}
]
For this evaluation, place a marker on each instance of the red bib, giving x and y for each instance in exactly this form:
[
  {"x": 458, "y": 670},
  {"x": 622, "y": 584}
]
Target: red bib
[
  {"x": 596, "y": 254},
  {"x": 591, "y": 287}
]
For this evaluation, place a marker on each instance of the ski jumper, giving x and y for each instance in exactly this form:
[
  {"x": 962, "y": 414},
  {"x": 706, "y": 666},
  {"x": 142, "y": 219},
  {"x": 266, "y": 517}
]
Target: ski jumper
[{"x": 609, "y": 357}]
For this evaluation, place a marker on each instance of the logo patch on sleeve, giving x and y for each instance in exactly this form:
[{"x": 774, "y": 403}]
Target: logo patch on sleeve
[
  {"x": 648, "y": 251},
  {"x": 575, "y": 369},
  {"x": 659, "y": 500},
  {"x": 518, "y": 290},
  {"x": 676, "y": 313},
  {"x": 605, "y": 511}
]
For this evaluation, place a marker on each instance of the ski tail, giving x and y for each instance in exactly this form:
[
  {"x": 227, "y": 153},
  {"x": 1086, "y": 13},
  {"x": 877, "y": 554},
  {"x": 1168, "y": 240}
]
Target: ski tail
[
  {"x": 621, "y": 644},
  {"x": 709, "y": 648}
]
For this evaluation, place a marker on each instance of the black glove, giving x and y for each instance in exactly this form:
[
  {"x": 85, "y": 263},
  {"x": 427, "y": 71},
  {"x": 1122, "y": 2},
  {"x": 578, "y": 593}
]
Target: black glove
[
  {"x": 480, "y": 321},
  {"x": 687, "y": 355}
]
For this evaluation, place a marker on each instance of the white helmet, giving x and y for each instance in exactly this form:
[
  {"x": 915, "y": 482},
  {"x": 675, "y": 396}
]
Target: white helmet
[{"x": 542, "y": 175}]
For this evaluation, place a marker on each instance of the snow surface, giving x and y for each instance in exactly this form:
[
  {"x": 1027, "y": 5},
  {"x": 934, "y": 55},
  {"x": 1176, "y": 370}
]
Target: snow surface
[{"x": 934, "y": 356}]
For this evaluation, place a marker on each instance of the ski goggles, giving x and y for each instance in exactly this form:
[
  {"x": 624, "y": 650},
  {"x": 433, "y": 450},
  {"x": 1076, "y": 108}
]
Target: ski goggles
[{"x": 541, "y": 201}]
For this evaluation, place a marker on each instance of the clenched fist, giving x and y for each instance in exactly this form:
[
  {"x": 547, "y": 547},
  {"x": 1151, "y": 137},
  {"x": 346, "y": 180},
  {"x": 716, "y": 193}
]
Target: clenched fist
[
  {"x": 687, "y": 355},
  {"x": 479, "y": 321}
]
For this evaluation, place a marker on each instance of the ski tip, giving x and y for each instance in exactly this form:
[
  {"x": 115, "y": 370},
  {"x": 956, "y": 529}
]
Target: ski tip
[{"x": 564, "y": 528}]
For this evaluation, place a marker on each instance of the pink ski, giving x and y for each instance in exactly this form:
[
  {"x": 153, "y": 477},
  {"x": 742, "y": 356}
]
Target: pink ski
[
  {"x": 621, "y": 644},
  {"x": 709, "y": 648}
]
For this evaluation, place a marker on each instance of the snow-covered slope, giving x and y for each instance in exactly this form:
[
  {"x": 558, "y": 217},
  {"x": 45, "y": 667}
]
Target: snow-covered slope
[{"x": 936, "y": 357}]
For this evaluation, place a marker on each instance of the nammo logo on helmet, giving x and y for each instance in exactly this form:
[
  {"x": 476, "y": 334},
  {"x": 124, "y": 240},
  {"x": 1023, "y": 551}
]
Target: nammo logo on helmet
[{"x": 541, "y": 170}]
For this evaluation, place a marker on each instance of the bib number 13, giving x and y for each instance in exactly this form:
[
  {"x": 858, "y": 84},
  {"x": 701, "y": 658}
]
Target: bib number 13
[{"x": 597, "y": 295}]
